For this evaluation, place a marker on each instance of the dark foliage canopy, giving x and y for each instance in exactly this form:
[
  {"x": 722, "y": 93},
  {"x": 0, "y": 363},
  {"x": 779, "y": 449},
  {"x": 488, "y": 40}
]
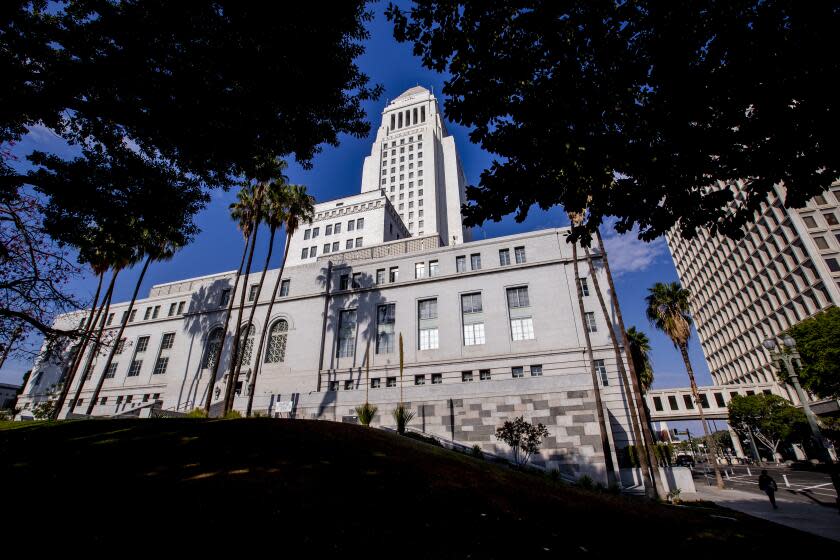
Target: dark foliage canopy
[{"x": 643, "y": 110}]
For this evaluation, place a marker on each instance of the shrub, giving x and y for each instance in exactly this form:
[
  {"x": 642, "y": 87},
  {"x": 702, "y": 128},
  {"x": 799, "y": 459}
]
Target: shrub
[
  {"x": 477, "y": 452},
  {"x": 402, "y": 416},
  {"x": 585, "y": 482},
  {"x": 366, "y": 412},
  {"x": 523, "y": 437},
  {"x": 554, "y": 474},
  {"x": 197, "y": 413},
  {"x": 231, "y": 414},
  {"x": 425, "y": 439},
  {"x": 44, "y": 410},
  {"x": 674, "y": 496}
]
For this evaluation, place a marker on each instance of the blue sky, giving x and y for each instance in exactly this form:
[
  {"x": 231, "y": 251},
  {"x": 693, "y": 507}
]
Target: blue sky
[{"x": 337, "y": 172}]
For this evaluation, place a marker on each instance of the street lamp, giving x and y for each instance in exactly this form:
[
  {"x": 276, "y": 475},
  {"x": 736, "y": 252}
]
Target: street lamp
[{"x": 785, "y": 359}]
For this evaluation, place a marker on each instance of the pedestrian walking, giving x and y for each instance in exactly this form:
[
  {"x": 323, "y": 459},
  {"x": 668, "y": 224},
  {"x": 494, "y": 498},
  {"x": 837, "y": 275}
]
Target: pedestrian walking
[{"x": 768, "y": 486}]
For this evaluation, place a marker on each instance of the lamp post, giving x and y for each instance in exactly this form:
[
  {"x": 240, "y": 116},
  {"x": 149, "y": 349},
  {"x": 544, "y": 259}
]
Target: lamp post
[{"x": 785, "y": 357}]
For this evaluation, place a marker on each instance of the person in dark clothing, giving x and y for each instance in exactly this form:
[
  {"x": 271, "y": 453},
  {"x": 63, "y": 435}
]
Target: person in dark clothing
[{"x": 769, "y": 487}]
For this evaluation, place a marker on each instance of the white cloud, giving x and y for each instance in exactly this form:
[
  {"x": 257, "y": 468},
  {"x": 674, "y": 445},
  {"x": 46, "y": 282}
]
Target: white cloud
[{"x": 628, "y": 254}]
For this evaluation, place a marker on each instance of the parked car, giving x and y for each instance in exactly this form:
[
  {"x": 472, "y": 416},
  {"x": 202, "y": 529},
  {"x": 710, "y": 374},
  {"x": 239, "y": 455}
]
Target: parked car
[{"x": 685, "y": 461}]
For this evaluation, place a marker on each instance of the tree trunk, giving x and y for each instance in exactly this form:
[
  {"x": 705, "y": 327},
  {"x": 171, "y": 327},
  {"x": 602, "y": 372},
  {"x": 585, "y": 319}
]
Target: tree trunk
[
  {"x": 258, "y": 364},
  {"x": 699, "y": 403},
  {"x": 96, "y": 310},
  {"x": 106, "y": 305},
  {"x": 211, "y": 384},
  {"x": 641, "y": 405},
  {"x": 254, "y": 309},
  {"x": 230, "y": 389},
  {"x": 17, "y": 332},
  {"x": 599, "y": 405},
  {"x": 650, "y": 487},
  {"x": 120, "y": 332}
]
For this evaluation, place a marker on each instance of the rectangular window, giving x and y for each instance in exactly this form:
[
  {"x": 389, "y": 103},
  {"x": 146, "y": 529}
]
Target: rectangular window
[
  {"x": 536, "y": 370},
  {"x": 437, "y": 378},
  {"x": 344, "y": 282},
  {"x": 419, "y": 379},
  {"x": 358, "y": 242},
  {"x": 172, "y": 308},
  {"x": 328, "y": 230},
  {"x": 672, "y": 403},
  {"x": 390, "y": 381},
  {"x": 160, "y": 365},
  {"x": 471, "y": 303},
  {"x": 346, "y": 334},
  {"x": 385, "y": 333},
  {"x": 335, "y": 246},
  {"x": 830, "y": 219},
  {"x": 689, "y": 402},
  {"x": 119, "y": 400},
  {"x": 110, "y": 319},
  {"x": 167, "y": 341},
  {"x": 374, "y": 383},
  {"x": 522, "y": 328},
  {"x": 351, "y": 225},
  {"x": 473, "y": 334},
  {"x": 380, "y": 276},
  {"x": 427, "y": 309},
  {"x": 719, "y": 400},
  {"x": 134, "y": 370},
  {"x": 156, "y": 312},
  {"x": 181, "y": 308},
  {"x": 111, "y": 371},
  {"x": 591, "y": 326},
  {"x": 517, "y": 371},
  {"x": 466, "y": 376},
  {"x": 120, "y": 346},
  {"x": 147, "y": 314},
  {"x": 252, "y": 292},
  {"x": 142, "y": 344},
  {"x": 518, "y": 297},
  {"x": 304, "y": 253},
  {"x": 475, "y": 261},
  {"x": 349, "y": 244},
  {"x": 657, "y": 404},
  {"x": 810, "y": 222},
  {"x": 433, "y": 268},
  {"x": 315, "y": 232},
  {"x": 420, "y": 270},
  {"x": 357, "y": 280},
  {"x": 360, "y": 223},
  {"x": 333, "y": 386},
  {"x": 519, "y": 253},
  {"x": 601, "y": 370},
  {"x": 504, "y": 257},
  {"x": 348, "y": 385},
  {"x": 484, "y": 374},
  {"x": 584, "y": 286},
  {"x": 225, "y": 297},
  {"x": 307, "y": 234},
  {"x": 460, "y": 264},
  {"x": 326, "y": 249},
  {"x": 833, "y": 266},
  {"x": 132, "y": 316},
  {"x": 394, "y": 274},
  {"x": 429, "y": 339},
  {"x": 337, "y": 228}
]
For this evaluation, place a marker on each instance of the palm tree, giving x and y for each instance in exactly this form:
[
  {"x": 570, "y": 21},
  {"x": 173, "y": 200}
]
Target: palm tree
[
  {"x": 287, "y": 205},
  {"x": 651, "y": 489},
  {"x": 669, "y": 311},
  {"x": 639, "y": 346},
  {"x": 576, "y": 218},
  {"x": 247, "y": 212},
  {"x": 155, "y": 246}
]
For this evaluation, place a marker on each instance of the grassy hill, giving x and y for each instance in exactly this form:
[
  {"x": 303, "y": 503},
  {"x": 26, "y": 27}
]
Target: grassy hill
[{"x": 116, "y": 487}]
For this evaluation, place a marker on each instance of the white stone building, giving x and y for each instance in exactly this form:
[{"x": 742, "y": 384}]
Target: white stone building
[
  {"x": 491, "y": 330},
  {"x": 784, "y": 270}
]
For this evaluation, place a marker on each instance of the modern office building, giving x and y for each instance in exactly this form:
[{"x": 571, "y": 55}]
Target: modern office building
[
  {"x": 784, "y": 270},
  {"x": 491, "y": 329}
]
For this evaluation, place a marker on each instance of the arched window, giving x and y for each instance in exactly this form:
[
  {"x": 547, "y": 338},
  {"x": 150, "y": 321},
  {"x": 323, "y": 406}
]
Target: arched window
[
  {"x": 214, "y": 344},
  {"x": 276, "y": 351},
  {"x": 246, "y": 345}
]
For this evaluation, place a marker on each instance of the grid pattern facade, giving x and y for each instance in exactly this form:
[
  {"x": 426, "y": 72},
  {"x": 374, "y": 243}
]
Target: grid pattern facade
[{"x": 774, "y": 277}]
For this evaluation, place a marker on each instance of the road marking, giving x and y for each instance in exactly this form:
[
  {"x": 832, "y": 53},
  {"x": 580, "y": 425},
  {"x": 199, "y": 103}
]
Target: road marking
[{"x": 817, "y": 486}]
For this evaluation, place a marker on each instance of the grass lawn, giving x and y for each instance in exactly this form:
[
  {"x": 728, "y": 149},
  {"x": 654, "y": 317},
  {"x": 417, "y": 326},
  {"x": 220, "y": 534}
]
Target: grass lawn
[{"x": 115, "y": 487}]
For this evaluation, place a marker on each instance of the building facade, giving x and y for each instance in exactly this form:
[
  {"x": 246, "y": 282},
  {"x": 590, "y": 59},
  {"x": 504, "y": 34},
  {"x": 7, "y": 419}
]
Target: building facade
[
  {"x": 784, "y": 270},
  {"x": 491, "y": 330}
]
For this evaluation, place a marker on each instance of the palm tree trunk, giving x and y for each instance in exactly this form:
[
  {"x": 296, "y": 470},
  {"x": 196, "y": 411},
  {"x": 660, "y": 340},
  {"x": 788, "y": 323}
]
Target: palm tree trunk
[
  {"x": 699, "y": 403},
  {"x": 641, "y": 405},
  {"x": 116, "y": 343},
  {"x": 96, "y": 310},
  {"x": 599, "y": 405},
  {"x": 234, "y": 354},
  {"x": 263, "y": 334},
  {"x": 106, "y": 305},
  {"x": 650, "y": 486},
  {"x": 211, "y": 384},
  {"x": 250, "y": 322}
]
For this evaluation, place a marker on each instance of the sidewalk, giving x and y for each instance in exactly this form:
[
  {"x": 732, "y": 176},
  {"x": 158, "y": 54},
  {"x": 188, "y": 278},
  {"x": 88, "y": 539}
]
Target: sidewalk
[{"x": 811, "y": 518}]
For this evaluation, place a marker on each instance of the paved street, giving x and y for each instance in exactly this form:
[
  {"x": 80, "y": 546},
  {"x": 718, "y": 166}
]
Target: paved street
[{"x": 801, "y": 486}]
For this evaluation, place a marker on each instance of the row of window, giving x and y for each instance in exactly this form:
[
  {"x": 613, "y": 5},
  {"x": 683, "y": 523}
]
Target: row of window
[
  {"x": 437, "y": 378},
  {"x": 151, "y": 312},
  {"x": 331, "y": 229},
  {"x": 127, "y": 399},
  {"x": 252, "y": 292},
  {"x": 312, "y": 252},
  {"x": 275, "y": 351},
  {"x": 397, "y": 120},
  {"x": 140, "y": 348},
  {"x": 688, "y": 400}
]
